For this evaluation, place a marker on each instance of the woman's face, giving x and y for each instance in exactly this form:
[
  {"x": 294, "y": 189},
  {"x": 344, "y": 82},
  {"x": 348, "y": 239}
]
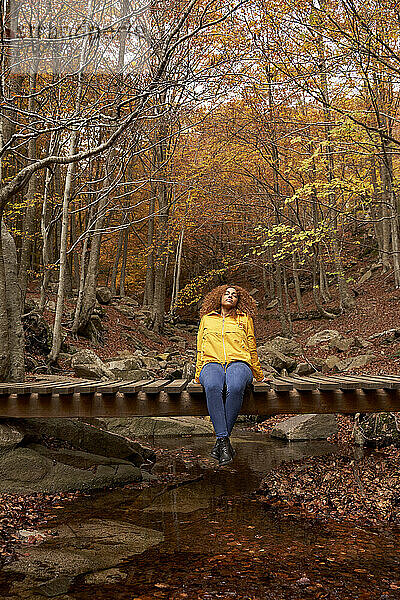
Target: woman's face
[{"x": 229, "y": 298}]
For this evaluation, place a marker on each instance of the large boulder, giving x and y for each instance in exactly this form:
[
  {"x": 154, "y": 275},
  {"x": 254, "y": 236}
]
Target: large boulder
[
  {"x": 134, "y": 427},
  {"x": 10, "y": 437},
  {"x": 82, "y": 546},
  {"x": 103, "y": 295},
  {"x": 303, "y": 369},
  {"x": 334, "y": 363},
  {"x": 87, "y": 364},
  {"x": 359, "y": 361},
  {"x": 86, "y": 437},
  {"x": 121, "y": 366},
  {"x": 150, "y": 363},
  {"x": 286, "y": 346},
  {"x": 275, "y": 359},
  {"x": 306, "y": 427},
  {"x": 323, "y": 337},
  {"x": 37, "y": 469}
]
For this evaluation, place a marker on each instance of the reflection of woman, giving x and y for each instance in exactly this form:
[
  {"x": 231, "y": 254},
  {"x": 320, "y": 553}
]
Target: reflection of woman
[{"x": 226, "y": 356}]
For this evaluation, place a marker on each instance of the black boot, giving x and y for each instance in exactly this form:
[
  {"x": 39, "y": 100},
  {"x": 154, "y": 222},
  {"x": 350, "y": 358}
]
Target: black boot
[
  {"x": 215, "y": 451},
  {"x": 225, "y": 451}
]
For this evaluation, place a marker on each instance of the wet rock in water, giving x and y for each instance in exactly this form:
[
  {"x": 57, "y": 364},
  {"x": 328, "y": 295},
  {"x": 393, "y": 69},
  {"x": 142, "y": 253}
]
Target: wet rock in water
[
  {"x": 56, "y": 586},
  {"x": 87, "y": 364},
  {"x": 105, "y": 577},
  {"x": 134, "y": 427},
  {"x": 85, "y": 546},
  {"x": 103, "y": 295},
  {"x": 86, "y": 437},
  {"x": 38, "y": 469},
  {"x": 10, "y": 437},
  {"x": 286, "y": 346},
  {"x": 306, "y": 427}
]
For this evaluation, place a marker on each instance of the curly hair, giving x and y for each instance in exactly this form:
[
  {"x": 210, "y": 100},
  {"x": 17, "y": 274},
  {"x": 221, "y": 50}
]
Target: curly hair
[{"x": 212, "y": 301}]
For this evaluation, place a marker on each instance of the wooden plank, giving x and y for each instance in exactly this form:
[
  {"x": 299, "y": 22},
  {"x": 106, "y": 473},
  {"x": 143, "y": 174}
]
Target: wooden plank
[
  {"x": 176, "y": 387},
  {"x": 260, "y": 387},
  {"x": 194, "y": 388},
  {"x": 342, "y": 384},
  {"x": 87, "y": 388},
  {"x": 388, "y": 382},
  {"x": 365, "y": 383},
  {"x": 280, "y": 385},
  {"x": 109, "y": 387},
  {"x": 156, "y": 386},
  {"x": 300, "y": 383},
  {"x": 133, "y": 387},
  {"x": 323, "y": 384}
]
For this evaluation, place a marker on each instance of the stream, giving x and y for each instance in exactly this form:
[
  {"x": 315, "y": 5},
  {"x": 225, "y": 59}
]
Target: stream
[{"x": 206, "y": 537}]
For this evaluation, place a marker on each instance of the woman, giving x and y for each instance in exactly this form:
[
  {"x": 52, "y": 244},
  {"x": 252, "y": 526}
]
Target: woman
[{"x": 226, "y": 356}]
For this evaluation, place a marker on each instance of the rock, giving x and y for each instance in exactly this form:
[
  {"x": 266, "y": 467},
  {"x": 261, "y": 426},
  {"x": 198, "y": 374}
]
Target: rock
[
  {"x": 323, "y": 337},
  {"x": 306, "y": 427},
  {"x": 56, "y": 586},
  {"x": 341, "y": 344},
  {"x": 359, "y": 361},
  {"x": 385, "y": 337},
  {"x": 86, "y": 437},
  {"x": 188, "y": 371},
  {"x": 103, "y": 295},
  {"x": 303, "y": 369},
  {"x": 85, "y": 546},
  {"x": 272, "y": 304},
  {"x": 150, "y": 363},
  {"x": 333, "y": 363},
  {"x": 10, "y": 437},
  {"x": 286, "y": 346},
  {"x": 163, "y": 357},
  {"x": 88, "y": 365},
  {"x": 119, "y": 367},
  {"x": 359, "y": 342},
  {"x": 134, "y": 427},
  {"x": 275, "y": 359},
  {"x": 367, "y": 275},
  {"x": 105, "y": 577},
  {"x": 36, "y": 469}
]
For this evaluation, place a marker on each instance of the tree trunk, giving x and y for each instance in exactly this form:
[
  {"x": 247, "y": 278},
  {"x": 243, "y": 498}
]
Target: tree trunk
[
  {"x": 16, "y": 341},
  {"x": 114, "y": 275},
  {"x": 123, "y": 266}
]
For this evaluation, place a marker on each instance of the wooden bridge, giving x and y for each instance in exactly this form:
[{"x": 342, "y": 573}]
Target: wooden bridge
[{"x": 293, "y": 394}]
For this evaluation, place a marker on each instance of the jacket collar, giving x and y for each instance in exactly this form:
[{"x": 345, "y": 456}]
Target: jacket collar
[{"x": 215, "y": 312}]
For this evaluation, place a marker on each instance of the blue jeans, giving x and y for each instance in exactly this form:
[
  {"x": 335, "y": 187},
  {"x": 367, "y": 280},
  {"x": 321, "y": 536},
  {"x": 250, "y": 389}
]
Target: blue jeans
[{"x": 213, "y": 378}]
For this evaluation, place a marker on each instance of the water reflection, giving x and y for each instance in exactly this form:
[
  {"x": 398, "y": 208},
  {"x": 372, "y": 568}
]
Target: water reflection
[{"x": 220, "y": 542}]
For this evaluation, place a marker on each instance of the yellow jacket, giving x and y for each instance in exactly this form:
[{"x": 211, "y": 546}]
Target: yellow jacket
[{"x": 226, "y": 339}]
